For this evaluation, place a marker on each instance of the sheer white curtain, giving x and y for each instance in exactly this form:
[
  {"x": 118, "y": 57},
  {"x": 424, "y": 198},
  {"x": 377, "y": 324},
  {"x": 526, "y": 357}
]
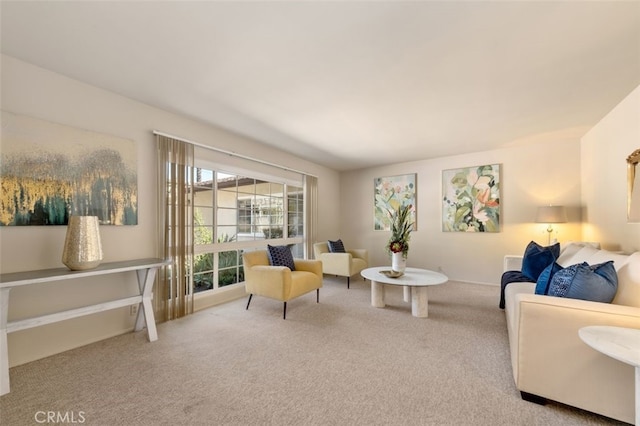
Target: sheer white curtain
[
  {"x": 310, "y": 214},
  {"x": 174, "y": 292}
]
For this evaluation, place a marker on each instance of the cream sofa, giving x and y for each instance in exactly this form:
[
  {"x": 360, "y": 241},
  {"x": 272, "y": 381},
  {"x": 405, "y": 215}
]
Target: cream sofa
[{"x": 548, "y": 358}]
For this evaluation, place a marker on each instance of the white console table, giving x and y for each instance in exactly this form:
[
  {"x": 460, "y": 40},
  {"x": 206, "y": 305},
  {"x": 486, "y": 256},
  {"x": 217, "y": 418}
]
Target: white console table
[{"x": 145, "y": 270}]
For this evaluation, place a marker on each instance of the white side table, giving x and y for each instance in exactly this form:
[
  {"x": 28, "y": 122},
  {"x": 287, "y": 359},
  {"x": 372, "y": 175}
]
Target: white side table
[{"x": 619, "y": 343}]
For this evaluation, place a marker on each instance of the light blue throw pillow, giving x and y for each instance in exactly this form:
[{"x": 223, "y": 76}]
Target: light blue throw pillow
[
  {"x": 597, "y": 283},
  {"x": 544, "y": 280}
]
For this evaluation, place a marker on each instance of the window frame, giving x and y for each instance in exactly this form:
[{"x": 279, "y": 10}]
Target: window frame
[{"x": 215, "y": 247}]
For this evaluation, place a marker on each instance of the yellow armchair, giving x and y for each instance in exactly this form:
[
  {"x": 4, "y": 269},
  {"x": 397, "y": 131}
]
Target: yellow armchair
[
  {"x": 280, "y": 282},
  {"x": 341, "y": 264}
]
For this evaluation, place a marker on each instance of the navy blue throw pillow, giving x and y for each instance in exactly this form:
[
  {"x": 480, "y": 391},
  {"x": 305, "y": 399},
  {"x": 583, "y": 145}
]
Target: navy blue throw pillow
[
  {"x": 537, "y": 257},
  {"x": 597, "y": 283},
  {"x": 281, "y": 256},
  {"x": 544, "y": 279},
  {"x": 336, "y": 246}
]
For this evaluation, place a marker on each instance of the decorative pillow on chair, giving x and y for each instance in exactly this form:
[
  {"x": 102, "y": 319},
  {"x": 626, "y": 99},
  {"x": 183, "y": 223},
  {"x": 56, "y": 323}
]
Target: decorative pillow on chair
[
  {"x": 536, "y": 258},
  {"x": 336, "y": 246},
  {"x": 281, "y": 256},
  {"x": 597, "y": 283}
]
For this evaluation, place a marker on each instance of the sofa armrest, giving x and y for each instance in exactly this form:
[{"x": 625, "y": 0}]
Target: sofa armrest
[
  {"x": 551, "y": 360},
  {"x": 512, "y": 262}
]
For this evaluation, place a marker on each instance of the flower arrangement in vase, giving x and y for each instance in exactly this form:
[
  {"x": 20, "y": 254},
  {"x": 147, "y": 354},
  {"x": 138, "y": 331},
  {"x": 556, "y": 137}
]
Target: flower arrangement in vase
[{"x": 401, "y": 227}]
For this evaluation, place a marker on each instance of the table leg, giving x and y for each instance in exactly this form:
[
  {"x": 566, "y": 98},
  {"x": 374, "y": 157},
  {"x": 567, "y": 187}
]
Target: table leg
[
  {"x": 406, "y": 292},
  {"x": 419, "y": 302},
  {"x": 146, "y": 278},
  {"x": 4, "y": 347},
  {"x": 377, "y": 294}
]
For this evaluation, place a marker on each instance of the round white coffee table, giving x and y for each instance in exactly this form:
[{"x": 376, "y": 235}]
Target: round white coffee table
[
  {"x": 619, "y": 343},
  {"x": 415, "y": 282}
]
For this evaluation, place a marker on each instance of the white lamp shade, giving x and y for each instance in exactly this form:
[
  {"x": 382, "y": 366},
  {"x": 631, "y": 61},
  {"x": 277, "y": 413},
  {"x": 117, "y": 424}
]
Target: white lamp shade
[{"x": 551, "y": 214}]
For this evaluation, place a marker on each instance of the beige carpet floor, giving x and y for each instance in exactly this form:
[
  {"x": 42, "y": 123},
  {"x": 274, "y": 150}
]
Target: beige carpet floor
[{"x": 340, "y": 362}]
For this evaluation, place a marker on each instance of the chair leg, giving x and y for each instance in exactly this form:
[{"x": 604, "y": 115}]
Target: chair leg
[
  {"x": 317, "y": 295},
  {"x": 250, "y": 296},
  {"x": 348, "y": 279},
  {"x": 284, "y": 315}
]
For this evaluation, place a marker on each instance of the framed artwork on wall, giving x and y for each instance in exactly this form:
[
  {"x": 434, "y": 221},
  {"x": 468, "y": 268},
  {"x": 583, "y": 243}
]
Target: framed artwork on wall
[
  {"x": 471, "y": 199},
  {"x": 51, "y": 171},
  {"x": 389, "y": 193}
]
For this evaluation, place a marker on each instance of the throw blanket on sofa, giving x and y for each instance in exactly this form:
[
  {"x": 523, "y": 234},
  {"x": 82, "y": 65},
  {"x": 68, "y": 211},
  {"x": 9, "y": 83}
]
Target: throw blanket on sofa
[
  {"x": 535, "y": 259},
  {"x": 511, "y": 277}
]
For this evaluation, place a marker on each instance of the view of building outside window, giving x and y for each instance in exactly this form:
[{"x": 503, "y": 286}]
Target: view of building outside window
[{"x": 231, "y": 212}]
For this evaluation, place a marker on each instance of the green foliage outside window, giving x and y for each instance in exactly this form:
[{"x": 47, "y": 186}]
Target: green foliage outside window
[{"x": 203, "y": 263}]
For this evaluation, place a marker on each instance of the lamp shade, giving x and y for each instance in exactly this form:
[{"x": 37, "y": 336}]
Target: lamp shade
[
  {"x": 82, "y": 245},
  {"x": 551, "y": 214}
]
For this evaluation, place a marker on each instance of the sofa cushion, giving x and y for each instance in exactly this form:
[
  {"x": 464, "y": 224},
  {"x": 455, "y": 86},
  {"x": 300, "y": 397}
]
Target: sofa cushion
[
  {"x": 597, "y": 283},
  {"x": 544, "y": 280},
  {"x": 281, "y": 256},
  {"x": 628, "y": 293},
  {"x": 576, "y": 253},
  {"x": 602, "y": 256},
  {"x": 336, "y": 246},
  {"x": 537, "y": 257}
]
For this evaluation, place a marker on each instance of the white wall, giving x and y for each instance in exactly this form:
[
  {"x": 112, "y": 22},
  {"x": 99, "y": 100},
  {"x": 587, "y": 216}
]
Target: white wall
[
  {"x": 604, "y": 175},
  {"x": 39, "y": 93},
  {"x": 547, "y": 172}
]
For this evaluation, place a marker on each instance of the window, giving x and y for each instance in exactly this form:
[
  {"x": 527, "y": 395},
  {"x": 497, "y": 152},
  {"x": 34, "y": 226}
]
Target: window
[
  {"x": 295, "y": 217},
  {"x": 234, "y": 212}
]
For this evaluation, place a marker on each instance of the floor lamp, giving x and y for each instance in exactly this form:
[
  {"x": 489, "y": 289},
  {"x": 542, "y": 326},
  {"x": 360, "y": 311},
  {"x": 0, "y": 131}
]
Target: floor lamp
[{"x": 551, "y": 215}]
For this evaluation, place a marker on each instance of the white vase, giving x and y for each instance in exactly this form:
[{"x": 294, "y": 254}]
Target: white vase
[
  {"x": 398, "y": 262},
  {"x": 82, "y": 245}
]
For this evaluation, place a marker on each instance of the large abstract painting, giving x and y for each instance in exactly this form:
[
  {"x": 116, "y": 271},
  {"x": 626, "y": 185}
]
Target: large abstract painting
[
  {"x": 389, "y": 194},
  {"x": 50, "y": 171},
  {"x": 471, "y": 199}
]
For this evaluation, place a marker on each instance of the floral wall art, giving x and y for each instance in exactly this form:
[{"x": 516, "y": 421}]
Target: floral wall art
[
  {"x": 49, "y": 171},
  {"x": 471, "y": 199},
  {"x": 390, "y": 193}
]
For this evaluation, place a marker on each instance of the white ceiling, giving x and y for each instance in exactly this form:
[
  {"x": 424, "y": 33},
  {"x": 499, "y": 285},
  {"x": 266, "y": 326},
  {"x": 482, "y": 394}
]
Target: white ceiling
[{"x": 349, "y": 84}]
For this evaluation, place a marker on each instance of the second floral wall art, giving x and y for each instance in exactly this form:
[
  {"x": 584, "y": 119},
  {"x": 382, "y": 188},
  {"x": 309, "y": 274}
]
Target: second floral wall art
[{"x": 471, "y": 199}]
